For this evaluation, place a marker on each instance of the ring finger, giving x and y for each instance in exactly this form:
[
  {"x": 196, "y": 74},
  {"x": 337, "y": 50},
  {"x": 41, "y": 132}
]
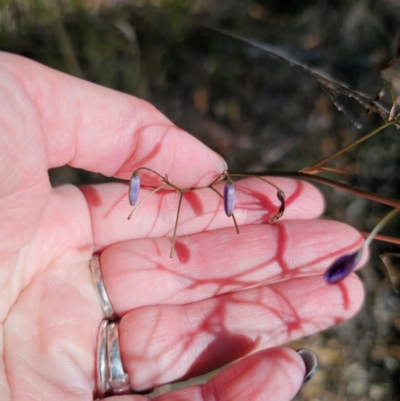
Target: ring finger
[{"x": 207, "y": 334}]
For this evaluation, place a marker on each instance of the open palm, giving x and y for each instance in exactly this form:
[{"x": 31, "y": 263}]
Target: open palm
[{"x": 222, "y": 297}]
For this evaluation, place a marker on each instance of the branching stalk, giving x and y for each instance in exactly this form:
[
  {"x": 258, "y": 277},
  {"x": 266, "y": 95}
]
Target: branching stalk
[
  {"x": 310, "y": 177},
  {"x": 148, "y": 195},
  {"x": 383, "y": 238},
  {"x": 312, "y": 168},
  {"x": 152, "y": 171},
  {"x": 176, "y": 224},
  {"x": 380, "y": 225}
]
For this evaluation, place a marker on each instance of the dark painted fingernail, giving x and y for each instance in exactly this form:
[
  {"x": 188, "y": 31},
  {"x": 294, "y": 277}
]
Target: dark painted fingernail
[{"x": 310, "y": 360}]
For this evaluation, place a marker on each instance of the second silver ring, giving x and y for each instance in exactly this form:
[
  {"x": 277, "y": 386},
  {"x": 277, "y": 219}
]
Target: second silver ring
[{"x": 108, "y": 309}]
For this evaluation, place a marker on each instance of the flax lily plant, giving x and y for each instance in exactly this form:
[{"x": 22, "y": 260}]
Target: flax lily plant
[
  {"x": 343, "y": 265},
  {"x": 228, "y": 196}
]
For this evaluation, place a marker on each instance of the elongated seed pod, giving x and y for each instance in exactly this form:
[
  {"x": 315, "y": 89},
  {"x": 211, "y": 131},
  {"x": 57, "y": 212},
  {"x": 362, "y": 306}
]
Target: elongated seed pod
[
  {"x": 281, "y": 196},
  {"x": 229, "y": 197},
  {"x": 134, "y": 187}
]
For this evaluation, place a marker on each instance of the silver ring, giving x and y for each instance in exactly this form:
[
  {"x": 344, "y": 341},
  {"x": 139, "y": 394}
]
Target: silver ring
[
  {"x": 111, "y": 378},
  {"x": 117, "y": 378},
  {"x": 108, "y": 309},
  {"x": 101, "y": 362}
]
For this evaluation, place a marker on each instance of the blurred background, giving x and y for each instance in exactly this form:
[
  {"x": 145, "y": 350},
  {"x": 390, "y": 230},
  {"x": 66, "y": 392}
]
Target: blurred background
[{"x": 260, "y": 113}]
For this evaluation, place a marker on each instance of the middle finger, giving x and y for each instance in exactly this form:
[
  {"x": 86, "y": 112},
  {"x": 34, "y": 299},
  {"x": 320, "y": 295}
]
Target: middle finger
[{"x": 140, "y": 272}]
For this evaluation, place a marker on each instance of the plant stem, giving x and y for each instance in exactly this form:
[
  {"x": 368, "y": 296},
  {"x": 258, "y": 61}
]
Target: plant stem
[
  {"x": 176, "y": 224},
  {"x": 383, "y": 238},
  {"x": 310, "y": 177},
  {"x": 152, "y": 171},
  {"x": 255, "y": 176},
  {"x": 149, "y": 194},
  {"x": 380, "y": 225},
  {"x": 310, "y": 169}
]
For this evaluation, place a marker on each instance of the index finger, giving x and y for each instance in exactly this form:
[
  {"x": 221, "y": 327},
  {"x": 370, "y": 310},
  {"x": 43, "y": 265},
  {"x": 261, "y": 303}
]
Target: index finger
[{"x": 102, "y": 130}]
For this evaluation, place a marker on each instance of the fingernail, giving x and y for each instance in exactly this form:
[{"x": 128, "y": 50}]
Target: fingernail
[
  {"x": 225, "y": 163},
  {"x": 311, "y": 361}
]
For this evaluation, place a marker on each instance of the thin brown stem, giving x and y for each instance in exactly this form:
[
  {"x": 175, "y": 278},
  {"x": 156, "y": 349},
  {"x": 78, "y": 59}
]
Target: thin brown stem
[
  {"x": 347, "y": 188},
  {"x": 235, "y": 223},
  {"x": 255, "y": 176},
  {"x": 384, "y": 238},
  {"x": 148, "y": 195},
  {"x": 176, "y": 224},
  {"x": 218, "y": 179},
  {"x": 314, "y": 167},
  {"x": 149, "y": 169},
  {"x": 380, "y": 225},
  {"x": 281, "y": 194},
  {"x": 392, "y": 269}
]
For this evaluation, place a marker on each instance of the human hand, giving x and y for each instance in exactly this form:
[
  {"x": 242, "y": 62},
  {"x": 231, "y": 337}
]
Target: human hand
[{"x": 222, "y": 297}]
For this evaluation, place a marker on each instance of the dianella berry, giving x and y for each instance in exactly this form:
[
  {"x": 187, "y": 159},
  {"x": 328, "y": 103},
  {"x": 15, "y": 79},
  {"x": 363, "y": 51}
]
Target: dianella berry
[
  {"x": 229, "y": 197},
  {"x": 134, "y": 187},
  {"x": 342, "y": 267}
]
